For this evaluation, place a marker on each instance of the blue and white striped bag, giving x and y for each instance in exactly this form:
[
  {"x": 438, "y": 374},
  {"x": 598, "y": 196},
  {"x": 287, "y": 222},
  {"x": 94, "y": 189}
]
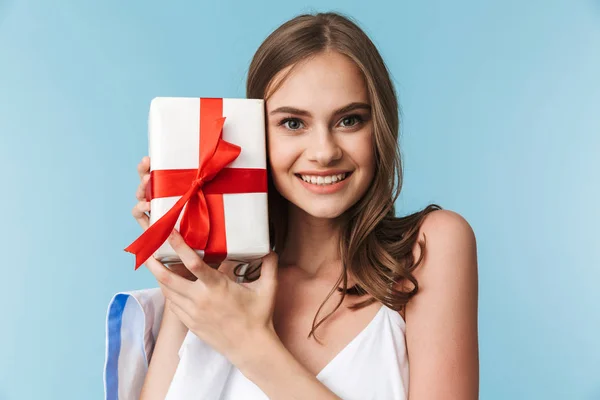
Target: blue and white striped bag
[{"x": 132, "y": 324}]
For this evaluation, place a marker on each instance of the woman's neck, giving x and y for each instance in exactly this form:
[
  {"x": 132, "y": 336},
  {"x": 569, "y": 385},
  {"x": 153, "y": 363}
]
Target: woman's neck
[{"x": 312, "y": 244}]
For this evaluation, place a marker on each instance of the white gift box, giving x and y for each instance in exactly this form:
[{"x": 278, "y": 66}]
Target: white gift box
[{"x": 174, "y": 143}]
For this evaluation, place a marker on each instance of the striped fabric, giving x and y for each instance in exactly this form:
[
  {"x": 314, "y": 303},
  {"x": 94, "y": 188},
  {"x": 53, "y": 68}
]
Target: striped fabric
[{"x": 132, "y": 323}]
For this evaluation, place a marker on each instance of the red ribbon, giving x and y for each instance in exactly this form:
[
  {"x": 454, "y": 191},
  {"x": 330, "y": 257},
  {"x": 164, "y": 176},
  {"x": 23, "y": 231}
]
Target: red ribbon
[{"x": 203, "y": 222}]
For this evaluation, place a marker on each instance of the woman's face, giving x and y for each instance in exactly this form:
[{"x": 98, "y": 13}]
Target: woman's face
[{"x": 320, "y": 135}]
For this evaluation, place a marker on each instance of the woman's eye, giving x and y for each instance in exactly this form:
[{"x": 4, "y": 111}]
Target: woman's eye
[
  {"x": 351, "y": 120},
  {"x": 292, "y": 124}
]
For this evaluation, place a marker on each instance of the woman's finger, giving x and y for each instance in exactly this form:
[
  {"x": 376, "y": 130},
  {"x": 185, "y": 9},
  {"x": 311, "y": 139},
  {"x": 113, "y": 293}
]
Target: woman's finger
[
  {"x": 169, "y": 279},
  {"x": 268, "y": 272},
  {"x": 175, "y": 298},
  {"x": 193, "y": 262},
  {"x": 181, "y": 270},
  {"x": 139, "y": 213},
  {"x": 140, "y": 193},
  {"x": 228, "y": 269},
  {"x": 144, "y": 166}
]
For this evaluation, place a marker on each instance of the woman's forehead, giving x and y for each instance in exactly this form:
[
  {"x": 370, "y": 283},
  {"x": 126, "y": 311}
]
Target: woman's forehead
[{"x": 329, "y": 80}]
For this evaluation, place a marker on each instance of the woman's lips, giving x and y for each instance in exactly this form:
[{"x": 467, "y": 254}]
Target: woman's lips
[{"x": 325, "y": 188}]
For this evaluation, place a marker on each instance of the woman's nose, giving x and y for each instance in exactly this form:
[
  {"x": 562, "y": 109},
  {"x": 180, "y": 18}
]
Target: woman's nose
[{"x": 324, "y": 149}]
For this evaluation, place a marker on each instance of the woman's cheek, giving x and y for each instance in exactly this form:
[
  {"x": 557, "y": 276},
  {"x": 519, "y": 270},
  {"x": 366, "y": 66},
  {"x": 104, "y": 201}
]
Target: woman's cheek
[
  {"x": 279, "y": 160},
  {"x": 364, "y": 152}
]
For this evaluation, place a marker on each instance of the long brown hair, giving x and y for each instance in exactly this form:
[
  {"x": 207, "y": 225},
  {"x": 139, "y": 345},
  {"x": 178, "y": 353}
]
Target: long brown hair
[{"x": 375, "y": 246}]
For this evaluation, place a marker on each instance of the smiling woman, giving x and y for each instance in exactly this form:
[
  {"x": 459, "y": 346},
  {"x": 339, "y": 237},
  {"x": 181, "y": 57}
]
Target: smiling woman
[{"x": 340, "y": 251}]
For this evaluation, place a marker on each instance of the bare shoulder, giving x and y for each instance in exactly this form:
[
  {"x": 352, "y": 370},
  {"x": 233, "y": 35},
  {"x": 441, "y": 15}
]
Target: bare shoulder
[
  {"x": 446, "y": 235},
  {"x": 449, "y": 264},
  {"x": 447, "y": 229},
  {"x": 441, "y": 319}
]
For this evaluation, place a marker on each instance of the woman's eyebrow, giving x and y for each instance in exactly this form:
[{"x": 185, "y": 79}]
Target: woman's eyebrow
[
  {"x": 352, "y": 107},
  {"x": 343, "y": 110},
  {"x": 289, "y": 110}
]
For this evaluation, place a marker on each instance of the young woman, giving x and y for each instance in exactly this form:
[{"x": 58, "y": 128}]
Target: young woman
[{"x": 350, "y": 292}]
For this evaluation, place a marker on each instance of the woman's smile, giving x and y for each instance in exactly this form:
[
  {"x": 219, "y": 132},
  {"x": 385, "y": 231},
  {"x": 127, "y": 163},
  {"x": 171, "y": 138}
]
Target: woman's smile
[{"x": 324, "y": 182}]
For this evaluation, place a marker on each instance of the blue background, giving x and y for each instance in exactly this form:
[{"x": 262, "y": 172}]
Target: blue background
[{"x": 501, "y": 123}]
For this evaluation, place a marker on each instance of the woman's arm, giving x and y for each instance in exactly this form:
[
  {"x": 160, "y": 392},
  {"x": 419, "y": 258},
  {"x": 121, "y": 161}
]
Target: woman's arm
[
  {"x": 441, "y": 320},
  {"x": 165, "y": 357}
]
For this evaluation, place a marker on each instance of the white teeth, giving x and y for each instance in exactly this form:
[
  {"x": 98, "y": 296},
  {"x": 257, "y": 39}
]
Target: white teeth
[{"x": 323, "y": 180}]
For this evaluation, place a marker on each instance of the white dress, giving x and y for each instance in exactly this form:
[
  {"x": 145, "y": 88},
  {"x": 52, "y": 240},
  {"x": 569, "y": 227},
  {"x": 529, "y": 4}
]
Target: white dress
[{"x": 374, "y": 365}]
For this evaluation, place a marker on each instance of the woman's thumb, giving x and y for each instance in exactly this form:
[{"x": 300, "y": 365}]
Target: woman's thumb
[{"x": 268, "y": 270}]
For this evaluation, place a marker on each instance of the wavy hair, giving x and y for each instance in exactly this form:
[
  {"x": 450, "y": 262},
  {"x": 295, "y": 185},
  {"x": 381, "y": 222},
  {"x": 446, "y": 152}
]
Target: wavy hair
[{"x": 375, "y": 246}]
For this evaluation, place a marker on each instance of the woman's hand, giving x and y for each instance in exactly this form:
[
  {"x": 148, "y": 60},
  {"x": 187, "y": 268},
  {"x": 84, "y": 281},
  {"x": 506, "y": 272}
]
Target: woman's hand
[
  {"x": 142, "y": 208},
  {"x": 141, "y": 211},
  {"x": 232, "y": 318}
]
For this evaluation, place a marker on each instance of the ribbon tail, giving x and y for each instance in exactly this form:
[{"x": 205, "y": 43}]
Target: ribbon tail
[
  {"x": 145, "y": 245},
  {"x": 195, "y": 223}
]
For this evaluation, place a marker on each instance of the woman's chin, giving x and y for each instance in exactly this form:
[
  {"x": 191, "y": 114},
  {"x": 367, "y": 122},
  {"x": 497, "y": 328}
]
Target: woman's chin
[{"x": 323, "y": 212}]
